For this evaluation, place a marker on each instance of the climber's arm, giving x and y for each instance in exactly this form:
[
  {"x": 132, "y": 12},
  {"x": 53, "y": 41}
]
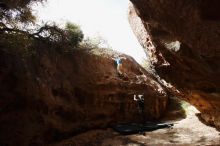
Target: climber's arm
[{"x": 135, "y": 98}]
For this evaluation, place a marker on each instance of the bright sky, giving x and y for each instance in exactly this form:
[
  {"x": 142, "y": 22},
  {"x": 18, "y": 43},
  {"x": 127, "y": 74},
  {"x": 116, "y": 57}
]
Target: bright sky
[{"x": 107, "y": 18}]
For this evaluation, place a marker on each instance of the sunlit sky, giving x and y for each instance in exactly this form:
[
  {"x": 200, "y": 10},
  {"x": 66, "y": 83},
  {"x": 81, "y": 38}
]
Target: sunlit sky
[{"x": 106, "y": 18}]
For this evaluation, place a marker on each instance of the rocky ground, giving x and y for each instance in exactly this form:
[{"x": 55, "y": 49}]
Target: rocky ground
[{"x": 187, "y": 130}]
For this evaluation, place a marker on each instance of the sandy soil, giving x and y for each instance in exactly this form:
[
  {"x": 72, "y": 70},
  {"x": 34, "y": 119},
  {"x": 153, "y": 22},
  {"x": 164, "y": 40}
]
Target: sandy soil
[{"x": 186, "y": 131}]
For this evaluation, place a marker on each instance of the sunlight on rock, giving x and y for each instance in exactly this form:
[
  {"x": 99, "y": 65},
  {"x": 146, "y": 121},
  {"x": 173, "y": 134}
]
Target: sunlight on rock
[{"x": 174, "y": 46}]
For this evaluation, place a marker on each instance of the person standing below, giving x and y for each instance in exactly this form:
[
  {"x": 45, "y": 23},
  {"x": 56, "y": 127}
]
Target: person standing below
[{"x": 140, "y": 101}]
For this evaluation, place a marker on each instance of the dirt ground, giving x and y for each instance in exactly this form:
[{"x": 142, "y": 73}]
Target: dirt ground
[{"x": 187, "y": 130}]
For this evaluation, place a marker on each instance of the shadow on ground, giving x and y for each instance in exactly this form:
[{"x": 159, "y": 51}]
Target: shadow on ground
[{"x": 187, "y": 130}]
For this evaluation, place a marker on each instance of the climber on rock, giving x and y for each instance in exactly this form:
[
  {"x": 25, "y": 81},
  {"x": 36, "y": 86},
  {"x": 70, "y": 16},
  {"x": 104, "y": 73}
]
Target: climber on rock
[{"x": 118, "y": 61}]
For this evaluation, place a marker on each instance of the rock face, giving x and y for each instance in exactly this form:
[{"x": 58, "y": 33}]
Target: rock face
[
  {"x": 182, "y": 40},
  {"x": 50, "y": 95}
]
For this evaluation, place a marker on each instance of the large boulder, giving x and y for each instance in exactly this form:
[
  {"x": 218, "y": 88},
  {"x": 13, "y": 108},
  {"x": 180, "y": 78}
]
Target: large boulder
[
  {"x": 51, "y": 94},
  {"x": 182, "y": 40}
]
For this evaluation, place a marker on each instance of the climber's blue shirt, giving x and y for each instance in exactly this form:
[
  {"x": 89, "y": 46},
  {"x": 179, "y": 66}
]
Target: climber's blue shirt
[{"x": 118, "y": 61}]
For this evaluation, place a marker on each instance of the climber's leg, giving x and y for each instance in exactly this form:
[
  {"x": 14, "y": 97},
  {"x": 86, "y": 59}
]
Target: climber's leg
[{"x": 119, "y": 69}]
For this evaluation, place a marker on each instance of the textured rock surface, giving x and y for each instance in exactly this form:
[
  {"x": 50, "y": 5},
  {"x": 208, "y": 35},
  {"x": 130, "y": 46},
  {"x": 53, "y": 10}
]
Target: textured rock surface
[
  {"x": 53, "y": 95},
  {"x": 182, "y": 38}
]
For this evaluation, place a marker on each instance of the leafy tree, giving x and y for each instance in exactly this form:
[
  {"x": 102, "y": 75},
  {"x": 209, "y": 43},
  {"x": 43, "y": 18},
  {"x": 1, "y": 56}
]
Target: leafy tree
[
  {"x": 15, "y": 12},
  {"x": 15, "y": 15},
  {"x": 74, "y": 34}
]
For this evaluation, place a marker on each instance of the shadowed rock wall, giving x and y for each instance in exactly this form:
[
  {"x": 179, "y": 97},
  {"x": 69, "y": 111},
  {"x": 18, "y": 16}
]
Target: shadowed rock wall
[
  {"x": 50, "y": 95},
  {"x": 182, "y": 40}
]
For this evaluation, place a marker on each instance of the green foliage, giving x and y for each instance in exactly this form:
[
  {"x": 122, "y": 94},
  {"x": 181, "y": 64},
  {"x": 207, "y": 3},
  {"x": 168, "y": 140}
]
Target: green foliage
[
  {"x": 74, "y": 34},
  {"x": 18, "y": 38},
  {"x": 95, "y": 42},
  {"x": 185, "y": 105},
  {"x": 15, "y": 13},
  {"x": 15, "y": 19}
]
